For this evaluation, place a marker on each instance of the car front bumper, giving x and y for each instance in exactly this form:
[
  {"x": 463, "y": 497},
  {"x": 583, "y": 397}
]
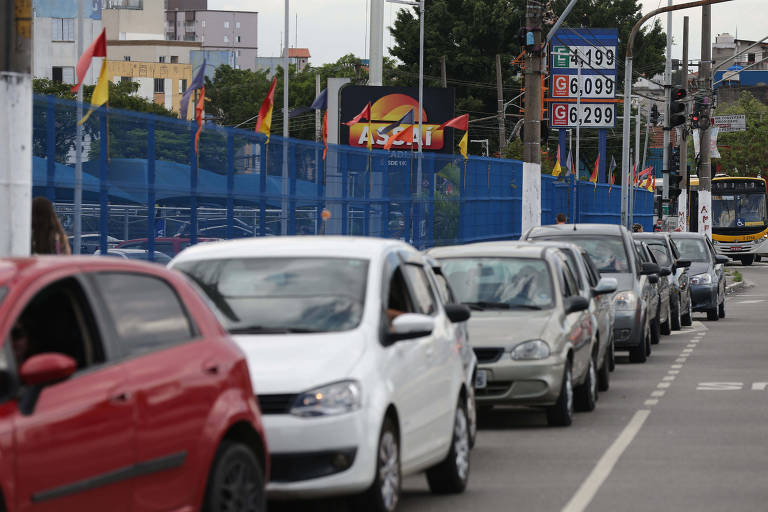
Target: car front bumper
[
  {"x": 736, "y": 249},
  {"x": 525, "y": 383},
  {"x": 704, "y": 297},
  {"x": 320, "y": 456},
  {"x": 627, "y": 329}
]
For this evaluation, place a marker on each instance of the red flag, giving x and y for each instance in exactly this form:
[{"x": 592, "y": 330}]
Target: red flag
[
  {"x": 264, "y": 121},
  {"x": 460, "y": 123},
  {"x": 325, "y": 133},
  {"x": 364, "y": 114},
  {"x": 406, "y": 135},
  {"x": 199, "y": 116},
  {"x": 98, "y": 48},
  {"x": 634, "y": 175}
]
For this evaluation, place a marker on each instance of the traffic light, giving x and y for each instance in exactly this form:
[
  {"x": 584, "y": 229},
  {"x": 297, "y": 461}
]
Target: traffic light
[
  {"x": 677, "y": 107},
  {"x": 699, "y": 118},
  {"x": 654, "y": 115},
  {"x": 674, "y": 185},
  {"x": 674, "y": 159}
]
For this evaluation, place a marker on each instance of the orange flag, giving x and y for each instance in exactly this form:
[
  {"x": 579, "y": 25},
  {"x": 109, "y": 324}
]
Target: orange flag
[
  {"x": 405, "y": 135},
  {"x": 98, "y": 48},
  {"x": 595, "y": 171},
  {"x": 460, "y": 123},
  {"x": 264, "y": 121},
  {"x": 364, "y": 114}
]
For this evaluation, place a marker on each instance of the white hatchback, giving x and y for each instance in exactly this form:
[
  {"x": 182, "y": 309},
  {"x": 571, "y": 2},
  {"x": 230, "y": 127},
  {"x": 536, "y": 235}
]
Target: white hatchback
[{"x": 353, "y": 358}]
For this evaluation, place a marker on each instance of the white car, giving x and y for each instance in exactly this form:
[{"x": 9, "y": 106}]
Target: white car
[{"x": 352, "y": 355}]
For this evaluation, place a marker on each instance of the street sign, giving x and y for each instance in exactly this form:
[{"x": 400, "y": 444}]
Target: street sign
[
  {"x": 593, "y": 115},
  {"x": 733, "y": 123},
  {"x": 583, "y": 64}
]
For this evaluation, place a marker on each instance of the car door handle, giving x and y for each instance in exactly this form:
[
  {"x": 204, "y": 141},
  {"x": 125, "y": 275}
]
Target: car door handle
[
  {"x": 211, "y": 368},
  {"x": 121, "y": 398}
]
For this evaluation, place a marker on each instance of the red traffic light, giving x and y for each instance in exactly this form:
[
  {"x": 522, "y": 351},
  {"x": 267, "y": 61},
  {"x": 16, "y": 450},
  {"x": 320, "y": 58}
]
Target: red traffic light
[{"x": 678, "y": 94}]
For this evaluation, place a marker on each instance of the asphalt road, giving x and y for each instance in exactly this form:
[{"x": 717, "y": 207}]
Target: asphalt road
[{"x": 686, "y": 431}]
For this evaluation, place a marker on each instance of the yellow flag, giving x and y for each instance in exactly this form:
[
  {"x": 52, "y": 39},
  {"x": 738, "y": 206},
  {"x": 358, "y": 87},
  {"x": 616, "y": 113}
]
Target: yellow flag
[
  {"x": 463, "y": 144},
  {"x": 100, "y": 93},
  {"x": 557, "y": 169}
]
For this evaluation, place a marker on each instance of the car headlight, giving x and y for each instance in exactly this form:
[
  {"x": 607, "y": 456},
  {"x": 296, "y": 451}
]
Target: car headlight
[
  {"x": 528, "y": 350},
  {"x": 337, "y": 398},
  {"x": 701, "y": 279},
  {"x": 626, "y": 300}
]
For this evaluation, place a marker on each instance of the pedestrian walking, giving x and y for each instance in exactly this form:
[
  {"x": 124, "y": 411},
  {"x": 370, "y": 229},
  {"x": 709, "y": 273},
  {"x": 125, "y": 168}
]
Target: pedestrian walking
[{"x": 48, "y": 237}]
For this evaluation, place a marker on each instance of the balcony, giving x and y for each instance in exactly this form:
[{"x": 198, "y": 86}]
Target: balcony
[{"x": 137, "y": 5}]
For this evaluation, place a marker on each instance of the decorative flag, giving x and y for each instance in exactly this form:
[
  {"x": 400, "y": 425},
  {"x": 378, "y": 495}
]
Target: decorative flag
[
  {"x": 460, "y": 123},
  {"x": 320, "y": 103},
  {"x": 98, "y": 48},
  {"x": 405, "y": 135},
  {"x": 197, "y": 82},
  {"x": 100, "y": 93},
  {"x": 325, "y": 134},
  {"x": 569, "y": 163},
  {"x": 364, "y": 114},
  {"x": 406, "y": 119},
  {"x": 634, "y": 175},
  {"x": 595, "y": 171},
  {"x": 557, "y": 169},
  {"x": 370, "y": 135},
  {"x": 611, "y": 177},
  {"x": 463, "y": 144},
  {"x": 264, "y": 121},
  {"x": 199, "y": 116}
]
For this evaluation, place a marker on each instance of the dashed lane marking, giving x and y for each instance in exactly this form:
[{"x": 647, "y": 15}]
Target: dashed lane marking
[
  {"x": 651, "y": 401},
  {"x": 658, "y": 393},
  {"x": 750, "y": 301}
]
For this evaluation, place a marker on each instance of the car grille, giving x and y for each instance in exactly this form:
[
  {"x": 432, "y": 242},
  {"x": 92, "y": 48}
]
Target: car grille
[
  {"x": 276, "y": 404},
  {"x": 488, "y": 355},
  {"x": 494, "y": 388}
]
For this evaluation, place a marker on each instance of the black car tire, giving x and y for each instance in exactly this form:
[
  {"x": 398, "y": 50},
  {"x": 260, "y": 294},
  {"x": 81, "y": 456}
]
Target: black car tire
[
  {"x": 613, "y": 355},
  {"x": 685, "y": 319},
  {"x": 747, "y": 259},
  {"x": 757, "y": 258},
  {"x": 452, "y": 474},
  {"x": 373, "y": 499},
  {"x": 656, "y": 331},
  {"x": 585, "y": 395},
  {"x": 712, "y": 315},
  {"x": 666, "y": 327},
  {"x": 721, "y": 309},
  {"x": 604, "y": 373},
  {"x": 561, "y": 414},
  {"x": 639, "y": 354},
  {"x": 674, "y": 313},
  {"x": 236, "y": 480}
]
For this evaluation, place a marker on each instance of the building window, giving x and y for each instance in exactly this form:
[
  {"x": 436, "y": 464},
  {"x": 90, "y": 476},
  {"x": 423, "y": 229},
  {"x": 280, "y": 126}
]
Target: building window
[
  {"x": 237, "y": 24},
  {"x": 174, "y": 59},
  {"x": 226, "y": 24},
  {"x": 182, "y": 85},
  {"x": 62, "y": 29},
  {"x": 125, "y": 79},
  {"x": 161, "y": 58},
  {"x": 750, "y": 57},
  {"x": 127, "y": 58},
  {"x": 203, "y": 23},
  {"x": 226, "y": 39},
  {"x": 238, "y": 53},
  {"x": 238, "y": 39},
  {"x": 63, "y": 74},
  {"x": 124, "y": 4},
  {"x": 159, "y": 85}
]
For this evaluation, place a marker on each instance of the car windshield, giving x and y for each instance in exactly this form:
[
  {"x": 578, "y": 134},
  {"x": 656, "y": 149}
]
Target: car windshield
[
  {"x": 693, "y": 249},
  {"x": 607, "y": 252},
  {"x": 500, "y": 283},
  {"x": 659, "y": 250},
  {"x": 283, "y": 295},
  {"x": 738, "y": 210}
]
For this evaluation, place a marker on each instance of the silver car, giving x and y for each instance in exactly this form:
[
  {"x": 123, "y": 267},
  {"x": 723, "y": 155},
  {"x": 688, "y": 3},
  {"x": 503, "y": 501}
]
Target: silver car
[{"x": 531, "y": 329}]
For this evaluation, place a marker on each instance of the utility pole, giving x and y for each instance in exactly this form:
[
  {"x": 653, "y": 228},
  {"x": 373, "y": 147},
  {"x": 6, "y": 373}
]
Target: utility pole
[
  {"x": 443, "y": 74},
  {"x": 531, "y": 210},
  {"x": 77, "y": 194},
  {"x": 682, "y": 200},
  {"x": 500, "y": 96},
  {"x": 705, "y": 84},
  {"x": 16, "y": 127},
  {"x": 286, "y": 73},
  {"x": 376, "y": 55},
  {"x": 667, "y": 113},
  {"x": 318, "y": 127}
]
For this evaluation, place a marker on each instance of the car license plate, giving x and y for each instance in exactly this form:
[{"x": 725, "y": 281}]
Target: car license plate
[
  {"x": 481, "y": 379},
  {"x": 735, "y": 248}
]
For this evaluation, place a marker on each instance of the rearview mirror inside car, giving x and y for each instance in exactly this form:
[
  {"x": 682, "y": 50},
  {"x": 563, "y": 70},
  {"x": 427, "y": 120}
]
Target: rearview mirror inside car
[
  {"x": 722, "y": 259},
  {"x": 457, "y": 312},
  {"x": 605, "y": 285},
  {"x": 649, "y": 268},
  {"x": 411, "y": 325},
  {"x": 575, "y": 303},
  {"x": 683, "y": 263}
]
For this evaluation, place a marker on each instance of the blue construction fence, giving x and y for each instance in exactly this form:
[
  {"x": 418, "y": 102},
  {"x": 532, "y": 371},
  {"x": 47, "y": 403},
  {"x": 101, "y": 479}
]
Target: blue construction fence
[{"x": 143, "y": 180}]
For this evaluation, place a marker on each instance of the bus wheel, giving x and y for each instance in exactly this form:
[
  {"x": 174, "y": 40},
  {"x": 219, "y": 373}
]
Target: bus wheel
[
  {"x": 747, "y": 259},
  {"x": 757, "y": 258}
]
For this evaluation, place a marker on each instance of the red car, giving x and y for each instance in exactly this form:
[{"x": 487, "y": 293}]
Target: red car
[
  {"x": 171, "y": 245},
  {"x": 120, "y": 391}
]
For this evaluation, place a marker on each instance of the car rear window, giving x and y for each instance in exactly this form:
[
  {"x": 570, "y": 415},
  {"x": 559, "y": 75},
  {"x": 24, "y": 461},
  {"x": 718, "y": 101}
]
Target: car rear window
[
  {"x": 693, "y": 249},
  {"x": 283, "y": 295},
  {"x": 607, "y": 252}
]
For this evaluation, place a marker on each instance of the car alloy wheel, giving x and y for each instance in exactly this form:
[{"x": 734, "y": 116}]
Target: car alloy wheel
[
  {"x": 676, "y": 318},
  {"x": 389, "y": 470},
  {"x": 236, "y": 481},
  {"x": 586, "y": 394},
  {"x": 561, "y": 413},
  {"x": 452, "y": 474},
  {"x": 686, "y": 319}
]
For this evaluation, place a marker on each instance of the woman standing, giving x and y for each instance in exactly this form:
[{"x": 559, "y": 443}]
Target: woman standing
[{"x": 48, "y": 237}]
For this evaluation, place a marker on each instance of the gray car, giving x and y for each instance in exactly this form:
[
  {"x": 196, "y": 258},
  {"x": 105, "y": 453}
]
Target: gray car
[
  {"x": 667, "y": 255},
  {"x": 707, "y": 273},
  {"x": 661, "y": 322},
  {"x": 612, "y": 250}
]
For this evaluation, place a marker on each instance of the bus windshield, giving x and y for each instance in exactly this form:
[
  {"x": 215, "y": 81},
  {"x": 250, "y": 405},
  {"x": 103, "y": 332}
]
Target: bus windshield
[{"x": 738, "y": 210}]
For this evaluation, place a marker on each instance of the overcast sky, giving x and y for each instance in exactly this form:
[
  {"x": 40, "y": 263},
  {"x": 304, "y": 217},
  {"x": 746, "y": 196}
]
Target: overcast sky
[{"x": 332, "y": 28}]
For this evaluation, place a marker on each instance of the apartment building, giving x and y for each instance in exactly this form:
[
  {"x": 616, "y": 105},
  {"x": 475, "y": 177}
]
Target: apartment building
[{"x": 726, "y": 46}]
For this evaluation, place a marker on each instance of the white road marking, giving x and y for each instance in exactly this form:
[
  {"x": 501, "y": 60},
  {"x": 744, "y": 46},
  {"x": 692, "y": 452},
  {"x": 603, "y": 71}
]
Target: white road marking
[
  {"x": 681, "y": 359},
  {"x": 651, "y": 401},
  {"x": 759, "y": 386},
  {"x": 692, "y": 345},
  {"x": 663, "y": 385},
  {"x": 673, "y": 372},
  {"x": 698, "y": 325},
  {"x": 658, "y": 393},
  {"x": 605, "y": 465},
  {"x": 750, "y": 301},
  {"x": 668, "y": 378},
  {"x": 687, "y": 351},
  {"x": 719, "y": 386},
  {"x": 676, "y": 366}
]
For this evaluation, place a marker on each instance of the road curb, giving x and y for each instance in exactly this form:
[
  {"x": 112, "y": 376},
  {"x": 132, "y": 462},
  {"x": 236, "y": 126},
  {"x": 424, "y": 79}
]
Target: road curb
[{"x": 734, "y": 287}]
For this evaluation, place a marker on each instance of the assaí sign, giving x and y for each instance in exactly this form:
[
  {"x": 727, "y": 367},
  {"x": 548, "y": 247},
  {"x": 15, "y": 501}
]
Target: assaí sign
[{"x": 390, "y": 104}]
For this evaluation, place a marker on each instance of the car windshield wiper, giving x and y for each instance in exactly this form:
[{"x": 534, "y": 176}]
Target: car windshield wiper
[
  {"x": 479, "y": 306},
  {"x": 261, "y": 329},
  {"x": 526, "y": 306}
]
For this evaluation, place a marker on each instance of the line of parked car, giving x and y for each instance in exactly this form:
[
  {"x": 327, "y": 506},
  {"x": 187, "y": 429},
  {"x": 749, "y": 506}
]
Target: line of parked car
[{"x": 300, "y": 367}]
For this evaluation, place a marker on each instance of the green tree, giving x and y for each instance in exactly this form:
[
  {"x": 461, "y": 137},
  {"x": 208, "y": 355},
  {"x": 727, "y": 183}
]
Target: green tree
[{"x": 744, "y": 153}]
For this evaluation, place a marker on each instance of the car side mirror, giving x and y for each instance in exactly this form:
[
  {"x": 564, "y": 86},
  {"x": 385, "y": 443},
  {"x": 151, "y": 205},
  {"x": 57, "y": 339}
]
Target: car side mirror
[
  {"x": 722, "y": 259},
  {"x": 653, "y": 278},
  {"x": 47, "y": 368},
  {"x": 605, "y": 285},
  {"x": 575, "y": 303},
  {"x": 649, "y": 268},
  {"x": 665, "y": 271},
  {"x": 457, "y": 312},
  {"x": 410, "y": 325},
  {"x": 683, "y": 263}
]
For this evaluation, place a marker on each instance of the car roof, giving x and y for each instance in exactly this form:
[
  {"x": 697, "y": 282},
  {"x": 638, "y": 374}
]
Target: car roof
[
  {"x": 516, "y": 249},
  {"x": 587, "y": 229},
  {"x": 299, "y": 246},
  {"x": 680, "y": 234},
  {"x": 10, "y": 268},
  {"x": 650, "y": 236},
  {"x": 559, "y": 244}
]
